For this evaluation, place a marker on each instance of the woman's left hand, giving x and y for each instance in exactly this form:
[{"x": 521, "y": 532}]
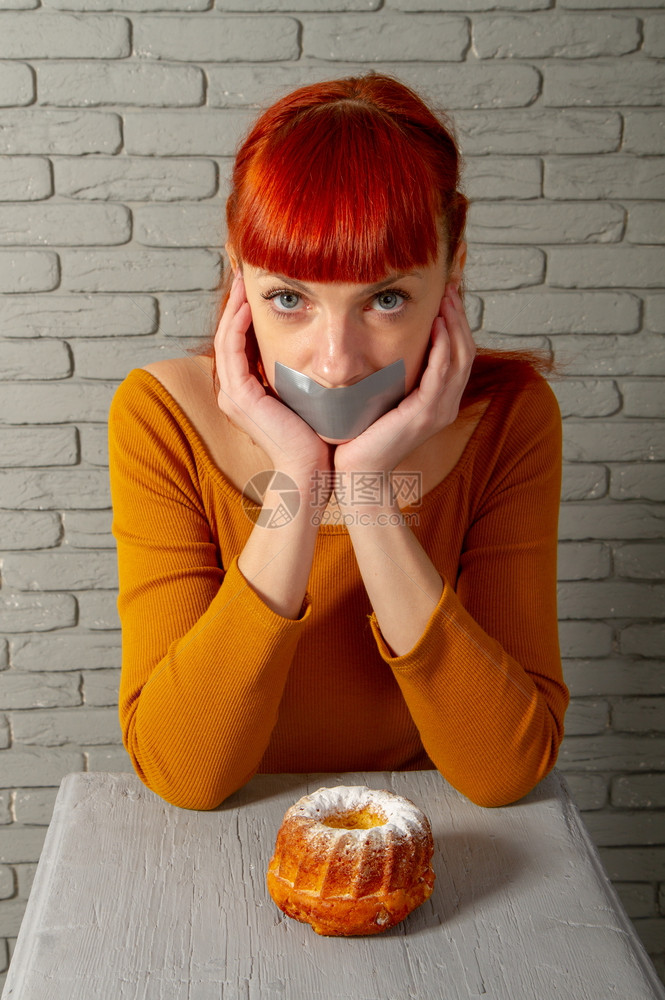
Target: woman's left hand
[{"x": 431, "y": 406}]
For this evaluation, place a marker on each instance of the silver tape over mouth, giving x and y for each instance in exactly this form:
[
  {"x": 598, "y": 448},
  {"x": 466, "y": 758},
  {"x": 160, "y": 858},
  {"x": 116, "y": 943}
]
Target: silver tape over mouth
[{"x": 342, "y": 412}]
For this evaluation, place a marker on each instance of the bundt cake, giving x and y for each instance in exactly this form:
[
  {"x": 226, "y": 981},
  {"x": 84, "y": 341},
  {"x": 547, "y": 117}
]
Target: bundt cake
[{"x": 351, "y": 860}]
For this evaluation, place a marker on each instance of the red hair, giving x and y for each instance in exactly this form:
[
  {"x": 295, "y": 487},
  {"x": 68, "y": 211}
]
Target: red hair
[{"x": 348, "y": 180}]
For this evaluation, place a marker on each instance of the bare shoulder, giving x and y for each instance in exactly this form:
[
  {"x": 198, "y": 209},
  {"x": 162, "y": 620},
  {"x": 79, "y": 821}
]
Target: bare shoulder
[
  {"x": 165, "y": 369},
  {"x": 189, "y": 381},
  {"x": 178, "y": 375}
]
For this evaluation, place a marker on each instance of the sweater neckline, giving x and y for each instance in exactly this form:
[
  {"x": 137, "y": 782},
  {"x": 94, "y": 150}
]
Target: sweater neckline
[{"x": 203, "y": 455}]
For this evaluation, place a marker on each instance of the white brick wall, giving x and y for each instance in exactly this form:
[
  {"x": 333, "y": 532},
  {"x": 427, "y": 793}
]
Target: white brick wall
[{"x": 118, "y": 119}]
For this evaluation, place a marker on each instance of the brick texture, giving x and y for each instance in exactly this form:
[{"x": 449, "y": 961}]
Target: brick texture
[
  {"x": 553, "y": 34},
  {"x": 119, "y": 119},
  {"x": 49, "y": 36},
  {"x": 16, "y": 84},
  {"x": 24, "y": 178}
]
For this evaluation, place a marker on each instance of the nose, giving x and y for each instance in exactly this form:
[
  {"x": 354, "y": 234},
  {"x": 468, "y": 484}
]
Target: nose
[{"x": 337, "y": 357}]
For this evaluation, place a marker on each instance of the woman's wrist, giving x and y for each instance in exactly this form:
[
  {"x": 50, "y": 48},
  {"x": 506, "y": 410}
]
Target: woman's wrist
[{"x": 365, "y": 489}]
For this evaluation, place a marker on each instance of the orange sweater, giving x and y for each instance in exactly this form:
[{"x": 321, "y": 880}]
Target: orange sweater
[{"x": 216, "y": 686}]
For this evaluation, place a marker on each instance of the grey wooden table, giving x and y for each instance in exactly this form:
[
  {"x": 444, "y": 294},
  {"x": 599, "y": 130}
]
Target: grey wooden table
[{"x": 137, "y": 899}]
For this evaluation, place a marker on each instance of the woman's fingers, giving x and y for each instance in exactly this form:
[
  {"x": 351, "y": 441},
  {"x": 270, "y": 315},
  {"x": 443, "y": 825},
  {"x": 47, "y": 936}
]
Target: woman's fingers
[
  {"x": 287, "y": 440},
  {"x": 435, "y": 402},
  {"x": 228, "y": 323},
  {"x": 463, "y": 348},
  {"x": 449, "y": 350},
  {"x": 236, "y": 362},
  {"x": 230, "y": 338},
  {"x": 439, "y": 359}
]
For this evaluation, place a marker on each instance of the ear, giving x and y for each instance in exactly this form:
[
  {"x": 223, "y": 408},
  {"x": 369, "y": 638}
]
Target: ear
[{"x": 457, "y": 266}]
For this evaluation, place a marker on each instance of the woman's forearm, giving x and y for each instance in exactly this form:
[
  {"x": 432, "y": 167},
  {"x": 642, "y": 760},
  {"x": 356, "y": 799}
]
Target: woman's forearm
[
  {"x": 402, "y": 583},
  {"x": 277, "y": 557}
]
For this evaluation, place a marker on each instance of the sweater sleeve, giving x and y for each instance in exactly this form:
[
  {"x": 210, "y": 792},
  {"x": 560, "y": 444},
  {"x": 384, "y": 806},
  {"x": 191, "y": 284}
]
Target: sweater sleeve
[
  {"x": 204, "y": 660},
  {"x": 484, "y": 683}
]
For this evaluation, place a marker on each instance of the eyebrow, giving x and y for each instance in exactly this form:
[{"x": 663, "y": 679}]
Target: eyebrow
[{"x": 369, "y": 288}]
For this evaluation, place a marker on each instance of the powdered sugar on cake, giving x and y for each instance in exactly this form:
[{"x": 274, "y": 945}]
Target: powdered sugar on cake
[{"x": 399, "y": 816}]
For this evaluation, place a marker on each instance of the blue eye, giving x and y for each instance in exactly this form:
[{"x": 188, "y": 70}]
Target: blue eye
[
  {"x": 285, "y": 301},
  {"x": 389, "y": 301}
]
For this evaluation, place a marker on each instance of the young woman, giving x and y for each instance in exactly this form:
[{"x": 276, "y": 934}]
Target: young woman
[{"x": 335, "y": 594}]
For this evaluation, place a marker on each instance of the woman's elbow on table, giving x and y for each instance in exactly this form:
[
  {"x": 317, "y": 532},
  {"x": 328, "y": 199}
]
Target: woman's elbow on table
[
  {"x": 495, "y": 798},
  {"x": 199, "y": 796},
  {"x": 504, "y": 793},
  {"x": 502, "y": 782},
  {"x": 187, "y": 788},
  {"x": 527, "y": 757}
]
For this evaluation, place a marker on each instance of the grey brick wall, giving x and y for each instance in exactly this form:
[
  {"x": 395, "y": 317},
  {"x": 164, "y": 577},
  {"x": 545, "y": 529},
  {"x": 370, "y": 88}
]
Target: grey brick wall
[{"x": 118, "y": 119}]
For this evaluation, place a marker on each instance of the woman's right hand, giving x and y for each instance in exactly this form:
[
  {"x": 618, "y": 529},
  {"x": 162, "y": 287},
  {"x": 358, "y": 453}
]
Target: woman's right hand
[{"x": 290, "y": 443}]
